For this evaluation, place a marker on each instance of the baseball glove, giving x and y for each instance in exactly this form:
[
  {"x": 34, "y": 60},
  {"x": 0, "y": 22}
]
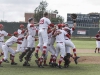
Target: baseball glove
[{"x": 73, "y": 16}]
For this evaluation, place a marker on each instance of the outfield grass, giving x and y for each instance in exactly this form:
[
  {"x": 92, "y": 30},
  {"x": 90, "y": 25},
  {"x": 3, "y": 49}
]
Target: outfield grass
[
  {"x": 80, "y": 69},
  {"x": 79, "y": 44},
  {"x": 84, "y": 44}
]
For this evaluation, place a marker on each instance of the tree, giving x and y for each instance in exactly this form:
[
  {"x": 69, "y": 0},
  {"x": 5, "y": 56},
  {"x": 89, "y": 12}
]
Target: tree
[
  {"x": 58, "y": 19},
  {"x": 38, "y": 13},
  {"x": 40, "y": 10}
]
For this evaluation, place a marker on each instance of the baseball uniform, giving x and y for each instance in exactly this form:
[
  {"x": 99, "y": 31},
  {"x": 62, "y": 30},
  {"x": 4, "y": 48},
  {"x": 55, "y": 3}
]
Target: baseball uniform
[
  {"x": 31, "y": 37},
  {"x": 2, "y": 34},
  {"x": 42, "y": 34},
  {"x": 20, "y": 35}
]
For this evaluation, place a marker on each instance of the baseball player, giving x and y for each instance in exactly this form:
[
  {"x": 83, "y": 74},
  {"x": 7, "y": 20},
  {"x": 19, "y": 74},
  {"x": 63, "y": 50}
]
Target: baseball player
[
  {"x": 97, "y": 41},
  {"x": 69, "y": 43},
  {"x": 60, "y": 46},
  {"x": 21, "y": 33},
  {"x": 2, "y": 35},
  {"x": 23, "y": 48},
  {"x": 51, "y": 44},
  {"x": 30, "y": 41},
  {"x": 43, "y": 37},
  {"x": 51, "y": 29},
  {"x": 6, "y": 48}
]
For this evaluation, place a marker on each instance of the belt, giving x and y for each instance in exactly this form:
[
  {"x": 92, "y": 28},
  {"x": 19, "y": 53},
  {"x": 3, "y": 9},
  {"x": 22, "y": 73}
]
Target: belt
[
  {"x": 59, "y": 42},
  {"x": 1, "y": 41},
  {"x": 48, "y": 44},
  {"x": 66, "y": 39},
  {"x": 31, "y": 36},
  {"x": 6, "y": 45}
]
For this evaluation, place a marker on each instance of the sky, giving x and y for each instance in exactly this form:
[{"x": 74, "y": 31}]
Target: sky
[{"x": 13, "y": 10}]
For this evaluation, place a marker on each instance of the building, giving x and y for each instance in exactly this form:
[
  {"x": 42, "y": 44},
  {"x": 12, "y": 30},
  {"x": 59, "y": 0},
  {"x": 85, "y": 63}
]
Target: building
[
  {"x": 85, "y": 20},
  {"x": 29, "y": 15}
]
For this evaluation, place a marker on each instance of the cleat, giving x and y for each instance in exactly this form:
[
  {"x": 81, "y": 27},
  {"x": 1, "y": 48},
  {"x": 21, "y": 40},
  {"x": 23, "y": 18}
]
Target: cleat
[
  {"x": 45, "y": 64},
  {"x": 13, "y": 63},
  {"x": 26, "y": 64},
  {"x": 54, "y": 65},
  {"x": 40, "y": 66},
  {"x": 36, "y": 55},
  {"x": 6, "y": 61},
  {"x": 75, "y": 60},
  {"x": 50, "y": 63},
  {"x": 44, "y": 55},
  {"x": 59, "y": 66},
  {"x": 66, "y": 66}
]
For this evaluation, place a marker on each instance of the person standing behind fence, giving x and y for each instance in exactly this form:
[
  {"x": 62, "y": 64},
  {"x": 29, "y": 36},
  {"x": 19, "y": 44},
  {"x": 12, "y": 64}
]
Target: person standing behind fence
[{"x": 97, "y": 41}]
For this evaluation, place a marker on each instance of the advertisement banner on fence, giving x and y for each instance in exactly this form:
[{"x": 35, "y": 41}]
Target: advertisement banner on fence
[{"x": 83, "y": 32}]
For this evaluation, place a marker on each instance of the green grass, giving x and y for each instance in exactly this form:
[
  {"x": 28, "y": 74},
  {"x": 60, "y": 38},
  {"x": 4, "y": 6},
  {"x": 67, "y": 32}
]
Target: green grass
[
  {"x": 84, "y": 44},
  {"x": 80, "y": 69},
  {"x": 79, "y": 44}
]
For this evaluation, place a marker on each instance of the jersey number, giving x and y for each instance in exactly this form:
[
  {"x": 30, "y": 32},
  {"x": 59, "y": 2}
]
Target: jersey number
[{"x": 41, "y": 21}]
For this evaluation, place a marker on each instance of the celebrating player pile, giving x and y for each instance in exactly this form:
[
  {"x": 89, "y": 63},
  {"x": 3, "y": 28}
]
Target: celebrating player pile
[{"x": 48, "y": 34}]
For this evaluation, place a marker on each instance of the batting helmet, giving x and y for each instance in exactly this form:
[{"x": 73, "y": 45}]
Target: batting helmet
[
  {"x": 59, "y": 25},
  {"x": 49, "y": 27},
  {"x": 15, "y": 33},
  {"x": 21, "y": 26},
  {"x": 63, "y": 25},
  {"x": 1, "y": 25},
  {"x": 52, "y": 25},
  {"x": 30, "y": 19}
]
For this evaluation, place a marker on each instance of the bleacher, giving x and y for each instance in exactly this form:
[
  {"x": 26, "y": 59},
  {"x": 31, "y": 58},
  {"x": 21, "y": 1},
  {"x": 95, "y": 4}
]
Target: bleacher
[{"x": 85, "y": 20}]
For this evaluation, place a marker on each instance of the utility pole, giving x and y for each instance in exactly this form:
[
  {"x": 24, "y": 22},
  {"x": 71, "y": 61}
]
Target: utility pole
[{"x": 3, "y": 15}]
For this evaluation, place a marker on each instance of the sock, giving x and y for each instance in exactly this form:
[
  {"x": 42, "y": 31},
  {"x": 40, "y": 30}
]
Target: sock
[
  {"x": 40, "y": 60},
  {"x": 37, "y": 49},
  {"x": 12, "y": 59},
  {"x": 44, "y": 49},
  {"x": 71, "y": 55},
  {"x": 95, "y": 49},
  {"x": 54, "y": 59},
  {"x": 1, "y": 61},
  {"x": 98, "y": 50},
  {"x": 74, "y": 51},
  {"x": 44, "y": 61},
  {"x": 51, "y": 58},
  {"x": 60, "y": 60},
  {"x": 1, "y": 54}
]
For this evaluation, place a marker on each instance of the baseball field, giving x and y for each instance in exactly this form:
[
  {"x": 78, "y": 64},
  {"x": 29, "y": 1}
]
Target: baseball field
[{"x": 89, "y": 63}]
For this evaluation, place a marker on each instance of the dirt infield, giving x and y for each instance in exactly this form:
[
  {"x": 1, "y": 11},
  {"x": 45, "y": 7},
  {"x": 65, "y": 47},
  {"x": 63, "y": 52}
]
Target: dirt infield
[{"x": 88, "y": 59}]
